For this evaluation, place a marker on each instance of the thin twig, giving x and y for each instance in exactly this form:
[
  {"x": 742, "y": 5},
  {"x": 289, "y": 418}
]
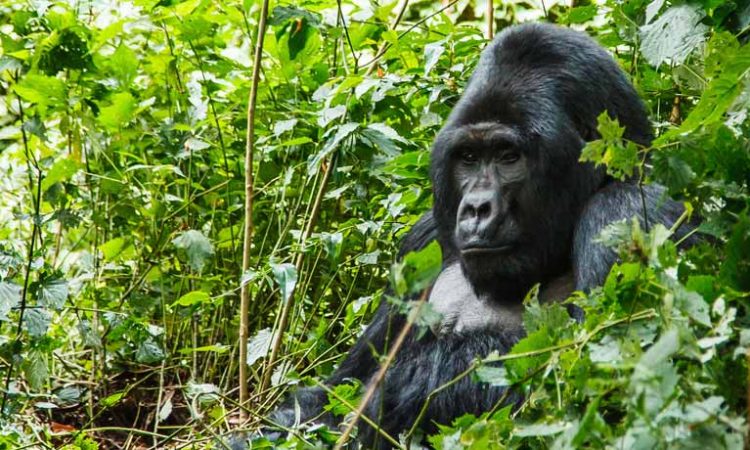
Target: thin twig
[
  {"x": 490, "y": 19},
  {"x": 248, "y": 234}
]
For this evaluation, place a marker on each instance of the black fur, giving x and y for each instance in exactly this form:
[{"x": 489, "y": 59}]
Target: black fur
[{"x": 544, "y": 87}]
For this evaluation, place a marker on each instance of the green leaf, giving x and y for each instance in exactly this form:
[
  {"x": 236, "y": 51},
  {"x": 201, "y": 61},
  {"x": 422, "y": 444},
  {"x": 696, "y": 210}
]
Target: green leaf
[
  {"x": 62, "y": 170},
  {"x": 35, "y": 369},
  {"x": 432, "y": 52},
  {"x": 42, "y": 91},
  {"x": 727, "y": 81},
  {"x": 112, "y": 399},
  {"x": 495, "y": 376},
  {"x": 119, "y": 112},
  {"x": 580, "y": 14},
  {"x": 693, "y": 305},
  {"x": 259, "y": 346},
  {"x": 348, "y": 393},
  {"x": 620, "y": 156},
  {"x": 421, "y": 268},
  {"x": 37, "y": 321},
  {"x": 149, "y": 352},
  {"x": 674, "y": 35},
  {"x": 518, "y": 368},
  {"x": 193, "y": 298},
  {"x": 541, "y": 429},
  {"x": 124, "y": 64},
  {"x": 342, "y": 132},
  {"x": 53, "y": 292},
  {"x": 286, "y": 277},
  {"x": 197, "y": 247},
  {"x": 10, "y": 297}
]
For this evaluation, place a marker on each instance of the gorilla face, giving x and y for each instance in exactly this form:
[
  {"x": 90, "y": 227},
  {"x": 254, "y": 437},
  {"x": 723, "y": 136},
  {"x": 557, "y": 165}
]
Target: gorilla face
[
  {"x": 489, "y": 173},
  {"x": 508, "y": 215}
]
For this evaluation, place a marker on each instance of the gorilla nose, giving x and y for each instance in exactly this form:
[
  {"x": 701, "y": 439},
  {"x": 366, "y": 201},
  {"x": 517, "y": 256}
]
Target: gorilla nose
[{"x": 478, "y": 214}]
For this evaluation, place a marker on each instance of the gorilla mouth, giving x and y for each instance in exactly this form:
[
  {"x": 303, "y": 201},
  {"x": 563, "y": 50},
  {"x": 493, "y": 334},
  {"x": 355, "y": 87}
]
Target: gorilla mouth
[{"x": 484, "y": 250}]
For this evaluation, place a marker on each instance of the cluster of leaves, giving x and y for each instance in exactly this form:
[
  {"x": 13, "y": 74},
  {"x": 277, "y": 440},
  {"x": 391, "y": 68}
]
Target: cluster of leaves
[{"x": 122, "y": 140}]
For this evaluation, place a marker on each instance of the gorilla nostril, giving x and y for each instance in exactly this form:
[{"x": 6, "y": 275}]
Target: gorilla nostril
[{"x": 484, "y": 210}]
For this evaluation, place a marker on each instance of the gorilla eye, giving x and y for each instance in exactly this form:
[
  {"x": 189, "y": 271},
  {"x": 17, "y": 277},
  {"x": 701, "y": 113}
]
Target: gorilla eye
[
  {"x": 510, "y": 158},
  {"x": 469, "y": 157}
]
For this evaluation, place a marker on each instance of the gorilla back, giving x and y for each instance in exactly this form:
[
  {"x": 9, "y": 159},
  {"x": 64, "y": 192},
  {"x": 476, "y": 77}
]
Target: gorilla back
[{"x": 513, "y": 206}]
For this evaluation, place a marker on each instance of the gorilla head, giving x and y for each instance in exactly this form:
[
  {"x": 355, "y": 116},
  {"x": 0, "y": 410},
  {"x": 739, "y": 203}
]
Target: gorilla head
[{"x": 507, "y": 182}]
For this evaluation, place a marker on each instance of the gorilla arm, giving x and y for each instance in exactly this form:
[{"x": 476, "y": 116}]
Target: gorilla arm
[
  {"x": 620, "y": 201},
  {"x": 423, "y": 367}
]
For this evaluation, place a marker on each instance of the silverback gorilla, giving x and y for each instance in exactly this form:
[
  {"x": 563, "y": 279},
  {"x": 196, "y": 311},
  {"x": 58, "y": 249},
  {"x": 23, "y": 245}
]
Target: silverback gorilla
[{"x": 513, "y": 207}]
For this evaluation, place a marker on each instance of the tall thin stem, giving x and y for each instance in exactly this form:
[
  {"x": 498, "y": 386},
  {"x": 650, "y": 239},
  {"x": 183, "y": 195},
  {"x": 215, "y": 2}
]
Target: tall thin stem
[{"x": 248, "y": 234}]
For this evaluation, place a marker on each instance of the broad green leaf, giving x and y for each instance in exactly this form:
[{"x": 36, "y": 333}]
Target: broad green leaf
[
  {"x": 42, "y": 91},
  {"x": 580, "y": 14},
  {"x": 112, "y": 399},
  {"x": 37, "y": 321},
  {"x": 62, "y": 170},
  {"x": 53, "y": 292},
  {"x": 35, "y": 369},
  {"x": 342, "y": 132},
  {"x": 259, "y": 346},
  {"x": 347, "y": 392},
  {"x": 421, "y": 268},
  {"x": 10, "y": 297},
  {"x": 674, "y": 35},
  {"x": 112, "y": 248},
  {"x": 197, "y": 247},
  {"x": 432, "y": 54},
  {"x": 119, "y": 112},
  {"x": 124, "y": 64}
]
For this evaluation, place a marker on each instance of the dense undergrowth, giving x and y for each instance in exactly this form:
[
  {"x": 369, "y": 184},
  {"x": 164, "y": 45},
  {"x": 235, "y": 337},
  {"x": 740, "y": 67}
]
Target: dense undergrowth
[{"x": 122, "y": 143}]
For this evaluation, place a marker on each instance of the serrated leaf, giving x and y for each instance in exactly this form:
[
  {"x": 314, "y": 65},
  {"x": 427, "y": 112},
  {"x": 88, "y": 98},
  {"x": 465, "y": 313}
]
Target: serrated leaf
[
  {"x": 10, "y": 297},
  {"x": 259, "y": 346},
  {"x": 53, "y": 293},
  {"x": 674, "y": 35},
  {"x": 197, "y": 247},
  {"x": 37, "y": 321}
]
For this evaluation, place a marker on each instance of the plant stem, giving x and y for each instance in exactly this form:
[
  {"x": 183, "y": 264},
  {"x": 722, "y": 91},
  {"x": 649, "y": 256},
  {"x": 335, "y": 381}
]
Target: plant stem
[{"x": 248, "y": 232}]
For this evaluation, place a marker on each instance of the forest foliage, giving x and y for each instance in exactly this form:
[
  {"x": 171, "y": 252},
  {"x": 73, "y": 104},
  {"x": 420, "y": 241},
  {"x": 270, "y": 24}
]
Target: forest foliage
[{"x": 122, "y": 144}]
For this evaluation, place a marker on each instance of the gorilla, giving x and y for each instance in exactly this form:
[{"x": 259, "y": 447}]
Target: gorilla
[{"x": 513, "y": 207}]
